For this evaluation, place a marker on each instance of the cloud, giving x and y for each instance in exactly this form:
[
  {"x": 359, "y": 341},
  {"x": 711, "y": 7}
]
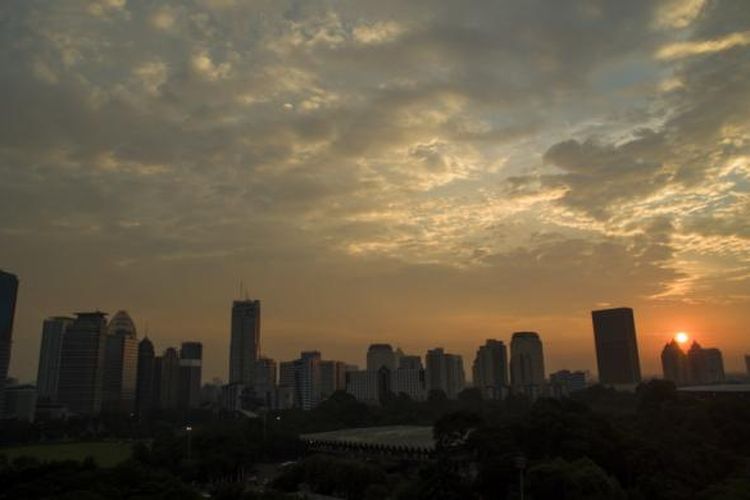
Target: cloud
[{"x": 694, "y": 48}]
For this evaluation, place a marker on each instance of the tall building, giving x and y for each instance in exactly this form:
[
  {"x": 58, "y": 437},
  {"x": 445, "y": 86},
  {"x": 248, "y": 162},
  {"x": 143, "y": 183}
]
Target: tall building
[
  {"x": 444, "y": 372},
  {"x": 409, "y": 381},
  {"x": 527, "y": 364},
  {"x": 381, "y": 355},
  {"x": 82, "y": 364},
  {"x": 191, "y": 362},
  {"x": 8, "y": 294},
  {"x": 144, "y": 393},
  {"x": 410, "y": 362},
  {"x": 616, "y": 347},
  {"x": 705, "y": 365},
  {"x": 20, "y": 402},
  {"x": 490, "y": 369},
  {"x": 48, "y": 370},
  {"x": 120, "y": 365},
  {"x": 307, "y": 380},
  {"x": 332, "y": 378},
  {"x": 286, "y": 374},
  {"x": 747, "y": 363},
  {"x": 674, "y": 363},
  {"x": 364, "y": 386},
  {"x": 565, "y": 382},
  {"x": 244, "y": 347},
  {"x": 168, "y": 369},
  {"x": 264, "y": 381}
]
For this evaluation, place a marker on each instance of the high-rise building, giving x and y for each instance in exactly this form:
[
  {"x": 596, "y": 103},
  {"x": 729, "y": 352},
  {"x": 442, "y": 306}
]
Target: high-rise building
[
  {"x": 747, "y": 363},
  {"x": 490, "y": 369},
  {"x": 409, "y": 381},
  {"x": 332, "y": 378},
  {"x": 144, "y": 394},
  {"x": 674, "y": 363},
  {"x": 307, "y": 380},
  {"x": 705, "y": 365},
  {"x": 120, "y": 365},
  {"x": 264, "y": 381},
  {"x": 286, "y": 374},
  {"x": 444, "y": 372},
  {"x": 191, "y": 362},
  {"x": 168, "y": 368},
  {"x": 244, "y": 348},
  {"x": 381, "y": 355},
  {"x": 20, "y": 402},
  {"x": 616, "y": 347},
  {"x": 565, "y": 382},
  {"x": 82, "y": 364},
  {"x": 48, "y": 370},
  {"x": 527, "y": 364},
  {"x": 8, "y": 294},
  {"x": 364, "y": 386}
]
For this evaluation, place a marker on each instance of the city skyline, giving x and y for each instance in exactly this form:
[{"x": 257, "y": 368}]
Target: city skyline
[{"x": 415, "y": 173}]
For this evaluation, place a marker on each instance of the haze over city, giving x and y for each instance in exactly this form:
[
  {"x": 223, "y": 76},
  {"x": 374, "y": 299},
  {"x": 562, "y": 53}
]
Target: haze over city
[{"x": 413, "y": 173}]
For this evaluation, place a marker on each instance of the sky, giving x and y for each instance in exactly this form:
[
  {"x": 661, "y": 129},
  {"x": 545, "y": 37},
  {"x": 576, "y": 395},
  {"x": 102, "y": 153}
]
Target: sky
[{"x": 421, "y": 173}]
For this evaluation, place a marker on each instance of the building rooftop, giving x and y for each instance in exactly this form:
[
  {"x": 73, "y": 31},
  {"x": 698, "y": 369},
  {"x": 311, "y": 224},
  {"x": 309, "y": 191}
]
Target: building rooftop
[
  {"x": 395, "y": 435},
  {"x": 717, "y": 388}
]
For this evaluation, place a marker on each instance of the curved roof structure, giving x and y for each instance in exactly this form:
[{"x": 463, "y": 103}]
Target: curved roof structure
[{"x": 122, "y": 324}]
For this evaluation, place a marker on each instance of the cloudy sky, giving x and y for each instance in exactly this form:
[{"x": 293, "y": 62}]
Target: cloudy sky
[{"x": 422, "y": 173}]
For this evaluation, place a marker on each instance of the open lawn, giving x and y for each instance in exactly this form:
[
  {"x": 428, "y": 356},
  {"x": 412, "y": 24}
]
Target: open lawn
[{"x": 105, "y": 453}]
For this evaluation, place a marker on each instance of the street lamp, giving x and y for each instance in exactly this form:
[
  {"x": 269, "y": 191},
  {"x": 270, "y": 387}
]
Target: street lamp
[
  {"x": 189, "y": 430},
  {"x": 520, "y": 462}
]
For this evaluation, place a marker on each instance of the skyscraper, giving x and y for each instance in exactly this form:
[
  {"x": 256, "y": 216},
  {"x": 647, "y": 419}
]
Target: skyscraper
[
  {"x": 527, "y": 364},
  {"x": 307, "y": 380},
  {"x": 674, "y": 363},
  {"x": 120, "y": 365},
  {"x": 410, "y": 362},
  {"x": 191, "y": 362},
  {"x": 747, "y": 363},
  {"x": 8, "y": 294},
  {"x": 616, "y": 347},
  {"x": 264, "y": 381},
  {"x": 380, "y": 355},
  {"x": 705, "y": 365},
  {"x": 332, "y": 378},
  {"x": 48, "y": 370},
  {"x": 169, "y": 379},
  {"x": 144, "y": 395},
  {"x": 244, "y": 347},
  {"x": 82, "y": 364},
  {"x": 490, "y": 369},
  {"x": 444, "y": 372}
]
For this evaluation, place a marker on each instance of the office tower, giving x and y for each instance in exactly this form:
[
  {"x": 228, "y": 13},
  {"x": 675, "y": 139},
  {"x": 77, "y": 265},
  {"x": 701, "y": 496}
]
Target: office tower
[
  {"x": 80, "y": 382},
  {"x": 8, "y": 294},
  {"x": 674, "y": 363},
  {"x": 364, "y": 386},
  {"x": 616, "y": 347},
  {"x": 191, "y": 361},
  {"x": 144, "y": 394},
  {"x": 244, "y": 348},
  {"x": 565, "y": 382},
  {"x": 714, "y": 365},
  {"x": 526, "y": 364},
  {"x": 490, "y": 369},
  {"x": 231, "y": 397},
  {"x": 444, "y": 372},
  {"x": 286, "y": 374},
  {"x": 307, "y": 380},
  {"x": 409, "y": 381},
  {"x": 747, "y": 363},
  {"x": 169, "y": 379},
  {"x": 332, "y": 378},
  {"x": 410, "y": 362},
  {"x": 120, "y": 365},
  {"x": 705, "y": 365},
  {"x": 48, "y": 370},
  {"x": 264, "y": 381},
  {"x": 381, "y": 355},
  {"x": 20, "y": 402}
]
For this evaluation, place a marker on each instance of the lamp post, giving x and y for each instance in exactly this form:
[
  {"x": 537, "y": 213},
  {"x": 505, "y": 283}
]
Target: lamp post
[
  {"x": 189, "y": 431},
  {"x": 521, "y": 466}
]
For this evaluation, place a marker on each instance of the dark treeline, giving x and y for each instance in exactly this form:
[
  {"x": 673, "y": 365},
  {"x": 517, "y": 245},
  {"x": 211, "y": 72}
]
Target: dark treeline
[{"x": 655, "y": 444}]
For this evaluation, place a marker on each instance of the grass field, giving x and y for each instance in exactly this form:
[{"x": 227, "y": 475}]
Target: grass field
[{"x": 105, "y": 453}]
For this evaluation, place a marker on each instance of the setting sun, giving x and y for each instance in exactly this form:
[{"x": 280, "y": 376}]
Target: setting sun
[{"x": 681, "y": 337}]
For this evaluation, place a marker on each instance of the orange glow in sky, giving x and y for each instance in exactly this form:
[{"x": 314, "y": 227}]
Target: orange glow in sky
[{"x": 681, "y": 337}]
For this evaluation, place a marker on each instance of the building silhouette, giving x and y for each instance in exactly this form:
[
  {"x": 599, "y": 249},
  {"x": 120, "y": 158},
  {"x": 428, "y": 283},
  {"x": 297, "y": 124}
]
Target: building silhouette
[
  {"x": 381, "y": 355},
  {"x": 264, "y": 381},
  {"x": 244, "y": 347},
  {"x": 20, "y": 402},
  {"x": 490, "y": 369},
  {"x": 332, "y": 378},
  {"x": 82, "y": 364},
  {"x": 674, "y": 363},
  {"x": 144, "y": 395},
  {"x": 410, "y": 362},
  {"x": 364, "y": 385},
  {"x": 616, "y": 347},
  {"x": 8, "y": 295},
  {"x": 50, "y": 351},
  {"x": 409, "y": 381},
  {"x": 705, "y": 365},
  {"x": 444, "y": 372},
  {"x": 565, "y": 382},
  {"x": 120, "y": 365},
  {"x": 747, "y": 363},
  {"x": 527, "y": 364},
  {"x": 191, "y": 366},
  {"x": 168, "y": 369}
]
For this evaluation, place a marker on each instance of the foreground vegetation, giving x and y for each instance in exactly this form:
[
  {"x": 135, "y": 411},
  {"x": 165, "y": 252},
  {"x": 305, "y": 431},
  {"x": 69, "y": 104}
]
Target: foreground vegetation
[{"x": 656, "y": 444}]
